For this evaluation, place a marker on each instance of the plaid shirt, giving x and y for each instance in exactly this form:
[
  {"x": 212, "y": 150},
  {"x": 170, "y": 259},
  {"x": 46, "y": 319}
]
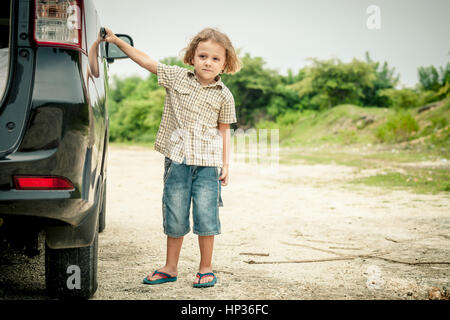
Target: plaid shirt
[{"x": 190, "y": 118}]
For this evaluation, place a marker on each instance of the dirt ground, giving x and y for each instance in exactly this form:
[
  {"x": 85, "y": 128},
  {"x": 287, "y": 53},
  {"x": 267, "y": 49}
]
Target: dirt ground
[{"x": 373, "y": 240}]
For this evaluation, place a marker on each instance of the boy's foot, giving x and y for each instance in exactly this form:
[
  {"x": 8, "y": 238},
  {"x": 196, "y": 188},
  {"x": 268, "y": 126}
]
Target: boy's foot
[
  {"x": 156, "y": 276},
  {"x": 207, "y": 279}
]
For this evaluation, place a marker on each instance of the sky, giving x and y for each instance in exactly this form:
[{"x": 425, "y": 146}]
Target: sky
[{"x": 406, "y": 34}]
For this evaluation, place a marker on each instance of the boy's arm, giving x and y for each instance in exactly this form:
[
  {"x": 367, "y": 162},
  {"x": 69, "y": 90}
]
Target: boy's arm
[
  {"x": 141, "y": 58},
  {"x": 224, "y": 129}
]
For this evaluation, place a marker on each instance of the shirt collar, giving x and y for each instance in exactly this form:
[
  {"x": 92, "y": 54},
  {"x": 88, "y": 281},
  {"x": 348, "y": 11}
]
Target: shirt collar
[{"x": 218, "y": 82}]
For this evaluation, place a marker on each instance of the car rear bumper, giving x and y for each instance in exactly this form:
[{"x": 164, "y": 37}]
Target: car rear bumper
[
  {"x": 68, "y": 206},
  {"x": 45, "y": 204},
  {"x": 68, "y": 222}
]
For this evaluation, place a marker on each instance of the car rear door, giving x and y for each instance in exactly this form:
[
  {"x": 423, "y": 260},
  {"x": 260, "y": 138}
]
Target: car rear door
[{"x": 16, "y": 98}]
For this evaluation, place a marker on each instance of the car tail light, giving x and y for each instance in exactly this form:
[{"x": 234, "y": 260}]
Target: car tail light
[
  {"x": 58, "y": 23},
  {"x": 42, "y": 183}
]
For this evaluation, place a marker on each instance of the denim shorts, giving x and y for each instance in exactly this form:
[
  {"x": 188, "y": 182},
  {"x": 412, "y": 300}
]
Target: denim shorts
[{"x": 184, "y": 184}]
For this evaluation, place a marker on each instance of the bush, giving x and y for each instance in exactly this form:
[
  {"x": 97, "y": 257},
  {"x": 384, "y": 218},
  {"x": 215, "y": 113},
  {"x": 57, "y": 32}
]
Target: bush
[
  {"x": 288, "y": 118},
  {"x": 403, "y": 98},
  {"x": 400, "y": 127},
  {"x": 137, "y": 119}
]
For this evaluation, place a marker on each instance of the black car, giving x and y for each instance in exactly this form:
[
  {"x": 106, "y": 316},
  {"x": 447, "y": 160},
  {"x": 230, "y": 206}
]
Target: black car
[{"x": 54, "y": 136}]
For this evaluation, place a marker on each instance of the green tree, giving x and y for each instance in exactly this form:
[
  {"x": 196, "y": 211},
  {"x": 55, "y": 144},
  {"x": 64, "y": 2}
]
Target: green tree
[
  {"x": 331, "y": 82},
  {"x": 385, "y": 78},
  {"x": 283, "y": 99},
  {"x": 123, "y": 88},
  {"x": 252, "y": 87},
  {"x": 429, "y": 78},
  {"x": 432, "y": 80},
  {"x": 138, "y": 118},
  {"x": 403, "y": 98},
  {"x": 291, "y": 78}
]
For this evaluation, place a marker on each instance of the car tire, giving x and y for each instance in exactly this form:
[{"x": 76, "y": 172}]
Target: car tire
[
  {"x": 102, "y": 213},
  {"x": 72, "y": 273}
]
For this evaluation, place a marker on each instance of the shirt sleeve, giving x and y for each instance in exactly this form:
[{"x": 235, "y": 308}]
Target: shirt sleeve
[
  {"x": 227, "y": 113},
  {"x": 167, "y": 74}
]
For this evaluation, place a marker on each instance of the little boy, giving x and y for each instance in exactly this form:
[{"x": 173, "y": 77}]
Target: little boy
[{"x": 194, "y": 137}]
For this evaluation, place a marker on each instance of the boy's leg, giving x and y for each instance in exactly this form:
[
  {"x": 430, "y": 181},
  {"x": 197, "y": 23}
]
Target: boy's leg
[
  {"x": 205, "y": 198},
  {"x": 172, "y": 256},
  {"x": 176, "y": 207},
  {"x": 206, "y": 244}
]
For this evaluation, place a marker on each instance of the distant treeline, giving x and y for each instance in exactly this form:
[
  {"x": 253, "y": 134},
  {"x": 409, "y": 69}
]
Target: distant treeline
[{"x": 262, "y": 94}]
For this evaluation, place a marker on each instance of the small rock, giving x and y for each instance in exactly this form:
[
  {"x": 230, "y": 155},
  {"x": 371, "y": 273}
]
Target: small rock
[
  {"x": 434, "y": 293},
  {"x": 409, "y": 294}
]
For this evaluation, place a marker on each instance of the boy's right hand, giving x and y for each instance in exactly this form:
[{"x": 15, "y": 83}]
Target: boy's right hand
[
  {"x": 140, "y": 57},
  {"x": 110, "y": 36}
]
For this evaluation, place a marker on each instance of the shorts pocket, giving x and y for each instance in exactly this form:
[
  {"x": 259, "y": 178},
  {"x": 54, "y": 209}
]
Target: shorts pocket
[
  {"x": 167, "y": 168},
  {"x": 219, "y": 187},
  {"x": 164, "y": 214}
]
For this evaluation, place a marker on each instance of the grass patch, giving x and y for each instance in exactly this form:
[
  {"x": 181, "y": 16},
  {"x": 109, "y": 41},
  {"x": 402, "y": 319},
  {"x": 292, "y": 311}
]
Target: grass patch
[
  {"x": 357, "y": 156},
  {"x": 430, "y": 180},
  {"x": 322, "y": 157},
  {"x": 401, "y": 156},
  {"x": 418, "y": 180}
]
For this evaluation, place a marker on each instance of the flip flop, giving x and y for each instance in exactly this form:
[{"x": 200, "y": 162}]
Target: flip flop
[
  {"x": 165, "y": 278},
  {"x": 206, "y": 284}
]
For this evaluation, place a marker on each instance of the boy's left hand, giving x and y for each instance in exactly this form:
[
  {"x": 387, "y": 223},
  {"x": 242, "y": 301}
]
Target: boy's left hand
[{"x": 224, "y": 176}]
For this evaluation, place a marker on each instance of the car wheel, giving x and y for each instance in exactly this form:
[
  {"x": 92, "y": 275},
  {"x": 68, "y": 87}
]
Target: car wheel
[
  {"x": 102, "y": 214},
  {"x": 72, "y": 273}
]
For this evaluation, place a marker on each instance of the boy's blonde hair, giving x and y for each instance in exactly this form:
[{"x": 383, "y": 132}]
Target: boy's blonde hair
[{"x": 232, "y": 62}]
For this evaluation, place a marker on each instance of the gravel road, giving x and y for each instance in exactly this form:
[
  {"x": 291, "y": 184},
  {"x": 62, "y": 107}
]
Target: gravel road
[{"x": 309, "y": 234}]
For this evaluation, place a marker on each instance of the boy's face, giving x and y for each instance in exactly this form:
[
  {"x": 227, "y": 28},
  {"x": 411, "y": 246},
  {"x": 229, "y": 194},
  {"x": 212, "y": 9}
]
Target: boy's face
[{"x": 209, "y": 61}]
